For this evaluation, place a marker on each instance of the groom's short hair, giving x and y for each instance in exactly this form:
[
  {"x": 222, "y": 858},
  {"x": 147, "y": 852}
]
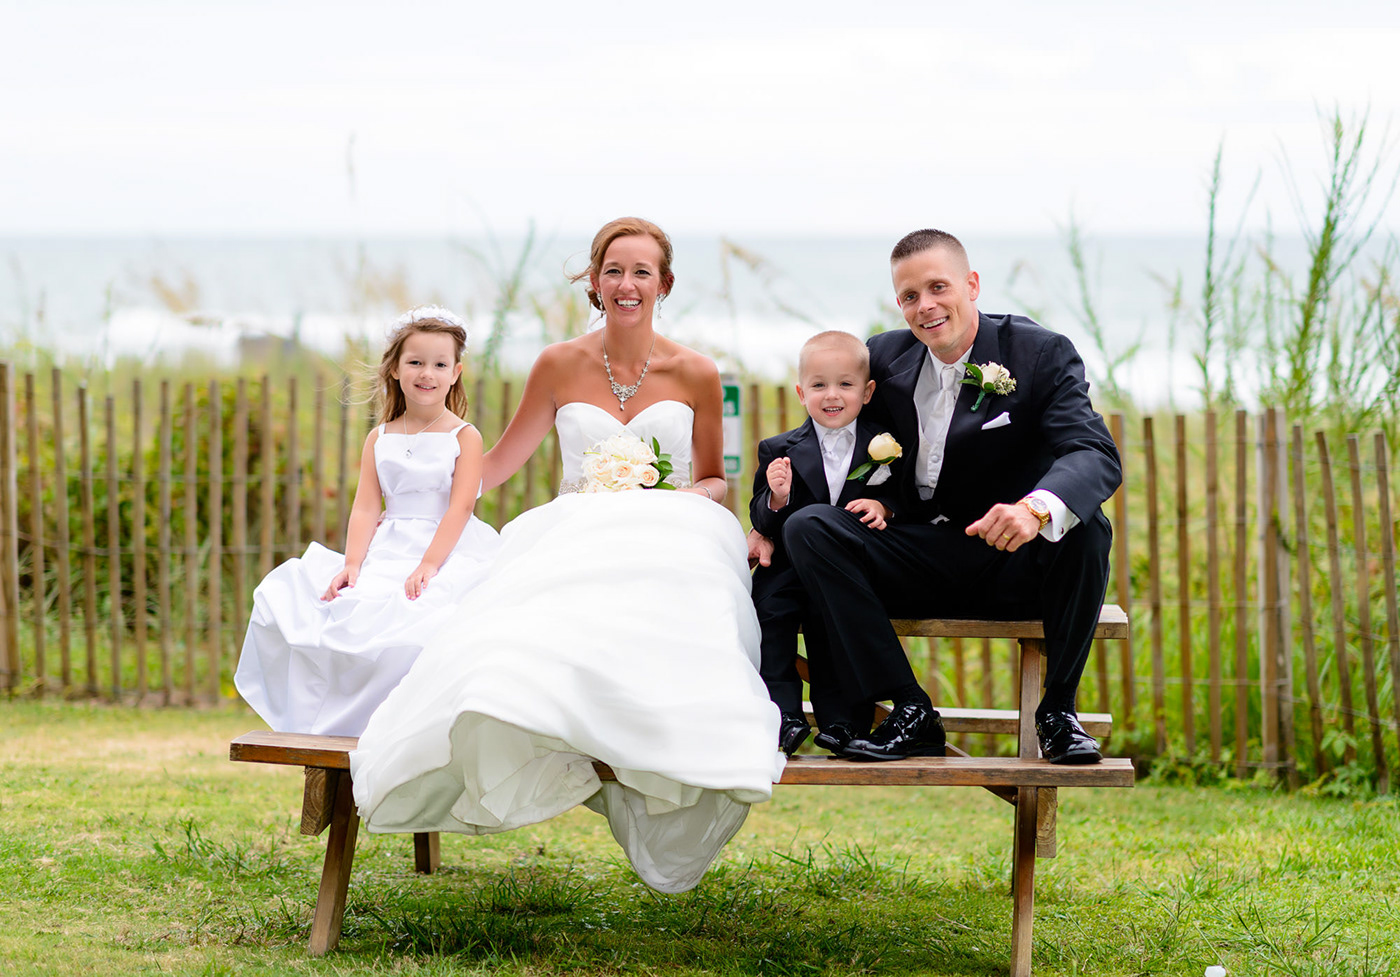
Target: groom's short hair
[
  {"x": 917, "y": 242},
  {"x": 834, "y": 339}
]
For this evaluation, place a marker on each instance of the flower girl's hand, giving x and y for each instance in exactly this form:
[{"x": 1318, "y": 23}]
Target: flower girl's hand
[
  {"x": 345, "y": 578},
  {"x": 418, "y": 580}
]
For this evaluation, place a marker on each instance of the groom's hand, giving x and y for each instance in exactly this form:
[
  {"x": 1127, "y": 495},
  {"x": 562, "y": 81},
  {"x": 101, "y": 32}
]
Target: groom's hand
[
  {"x": 760, "y": 549},
  {"x": 1007, "y": 526}
]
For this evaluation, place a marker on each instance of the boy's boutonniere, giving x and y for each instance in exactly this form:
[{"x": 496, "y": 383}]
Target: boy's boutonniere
[
  {"x": 989, "y": 378},
  {"x": 883, "y": 449}
]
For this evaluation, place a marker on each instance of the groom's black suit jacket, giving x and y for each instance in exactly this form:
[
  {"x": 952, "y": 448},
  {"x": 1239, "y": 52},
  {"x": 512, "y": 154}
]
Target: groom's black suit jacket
[{"x": 1055, "y": 440}]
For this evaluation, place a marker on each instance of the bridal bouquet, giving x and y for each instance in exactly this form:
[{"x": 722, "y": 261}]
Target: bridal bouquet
[{"x": 624, "y": 462}]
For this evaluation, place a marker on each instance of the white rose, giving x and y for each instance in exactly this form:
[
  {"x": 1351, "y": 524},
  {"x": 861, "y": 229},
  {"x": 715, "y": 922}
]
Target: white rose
[
  {"x": 649, "y": 477},
  {"x": 995, "y": 374},
  {"x": 884, "y": 449},
  {"x": 624, "y": 472},
  {"x": 640, "y": 453}
]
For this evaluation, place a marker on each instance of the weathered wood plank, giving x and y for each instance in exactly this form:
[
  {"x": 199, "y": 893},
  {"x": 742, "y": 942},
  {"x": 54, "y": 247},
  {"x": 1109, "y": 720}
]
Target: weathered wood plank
[
  {"x": 335, "y": 871},
  {"x": 36, "y": 533},
  {"x": 317, "y": 800},
  {"x": 1305, "y": 608},
  {"x": 1122, "y": 573},
  {"x": 1241, "y": 594},
  {"x": 139, "y": 610},
  {"x": 63, "y": 541},
  {"x": 1113, "y": 623},
  {"x": 293, "y": 749},
  {"x": 86, "y": 506},
  {"x": 1154, "y": 589},
  {"x": 1338, "y": 599},
  {"x": 1363, "y": 614},
  {"x": 1023, "y": 883},
  {"x": 1215, "y": 705},
  {"x": 1183, "y": 589},
  {"x": 1047, "y": 809},
  {"x": 333, "y": 753},
  {"x": 1392, "y": 602},
  {"x": 427, "y": 852}
]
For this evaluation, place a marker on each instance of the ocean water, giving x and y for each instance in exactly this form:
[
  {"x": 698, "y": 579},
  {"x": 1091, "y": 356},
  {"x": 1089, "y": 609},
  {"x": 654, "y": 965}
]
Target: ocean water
[{"x": 749, "y": 302}]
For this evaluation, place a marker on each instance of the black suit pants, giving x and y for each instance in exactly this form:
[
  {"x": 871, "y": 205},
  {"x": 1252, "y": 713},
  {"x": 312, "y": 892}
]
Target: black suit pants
[
  {"x": 780, "y": 601},
  {"x": 857, "y": 578}
]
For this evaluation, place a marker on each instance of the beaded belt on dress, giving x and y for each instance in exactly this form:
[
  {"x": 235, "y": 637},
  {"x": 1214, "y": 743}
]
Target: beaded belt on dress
[{"x": 569, "y": 486}]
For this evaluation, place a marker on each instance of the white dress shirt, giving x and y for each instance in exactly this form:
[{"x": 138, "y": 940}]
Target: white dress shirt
[
  {"x": 838, "y": 448},
  {"x": 935, "y": 396}
]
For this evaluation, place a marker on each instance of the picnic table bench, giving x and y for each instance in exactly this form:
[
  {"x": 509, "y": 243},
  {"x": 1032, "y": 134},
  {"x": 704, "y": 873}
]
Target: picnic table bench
[{"x": 1027, "y": 781}]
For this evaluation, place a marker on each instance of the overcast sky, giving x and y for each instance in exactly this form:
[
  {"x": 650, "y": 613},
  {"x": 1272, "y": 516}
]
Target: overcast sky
[{"x": 248, "y": 117}]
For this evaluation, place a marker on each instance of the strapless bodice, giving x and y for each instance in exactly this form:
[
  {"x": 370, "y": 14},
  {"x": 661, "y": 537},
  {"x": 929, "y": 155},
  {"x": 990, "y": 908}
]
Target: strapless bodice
[{"x": 581, "y": 425}]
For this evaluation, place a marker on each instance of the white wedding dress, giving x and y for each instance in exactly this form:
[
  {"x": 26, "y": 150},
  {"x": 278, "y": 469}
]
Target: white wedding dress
[
  {"x": 614, "y": 626},
  {"x": 314, "y": 666}
]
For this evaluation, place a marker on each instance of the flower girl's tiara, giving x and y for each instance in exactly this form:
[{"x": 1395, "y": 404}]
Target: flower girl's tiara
[{"x": 430, "y": 312}]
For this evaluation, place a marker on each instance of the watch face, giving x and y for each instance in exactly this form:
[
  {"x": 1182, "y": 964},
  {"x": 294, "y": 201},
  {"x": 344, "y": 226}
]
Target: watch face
[{"x": 1038, "y": 506}]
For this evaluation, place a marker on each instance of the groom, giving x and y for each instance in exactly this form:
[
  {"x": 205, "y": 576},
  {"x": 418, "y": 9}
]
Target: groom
[{"x": 998, "y": 515}]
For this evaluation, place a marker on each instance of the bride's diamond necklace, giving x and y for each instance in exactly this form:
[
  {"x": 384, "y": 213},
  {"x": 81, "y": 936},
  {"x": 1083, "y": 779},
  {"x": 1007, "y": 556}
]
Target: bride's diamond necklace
[
  {"x": 413, "y": 438},
  {"x": 626, "y": 393}
]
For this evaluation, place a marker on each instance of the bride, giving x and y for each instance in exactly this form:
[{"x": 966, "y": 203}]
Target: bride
[{"x": 614, "y": 626}]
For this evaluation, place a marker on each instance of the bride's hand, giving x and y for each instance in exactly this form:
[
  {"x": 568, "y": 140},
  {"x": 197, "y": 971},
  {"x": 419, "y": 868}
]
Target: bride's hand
[{"x": 417, "y": 581}]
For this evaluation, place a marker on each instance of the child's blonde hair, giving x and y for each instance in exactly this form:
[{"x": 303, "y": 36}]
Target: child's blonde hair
[
  {"x": 388, "y": 395},
  {"x": 834, "y": 339}
]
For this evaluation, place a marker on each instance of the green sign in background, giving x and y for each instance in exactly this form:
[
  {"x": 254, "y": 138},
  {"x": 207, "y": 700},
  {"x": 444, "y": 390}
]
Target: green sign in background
[{"x": 733, "y": 429}]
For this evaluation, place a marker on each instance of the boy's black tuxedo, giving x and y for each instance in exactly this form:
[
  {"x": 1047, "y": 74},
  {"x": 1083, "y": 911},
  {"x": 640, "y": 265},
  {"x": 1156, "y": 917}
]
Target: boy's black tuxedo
[{"x": 777, "y": 592}]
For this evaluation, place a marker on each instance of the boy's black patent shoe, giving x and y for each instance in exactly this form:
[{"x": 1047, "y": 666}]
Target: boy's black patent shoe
[
  {"x": 1063, "y": 740},
  {"x": 835, "y": 738},
  {"x": 911, "y": 730},
  {"x": 793, "y": 732}
]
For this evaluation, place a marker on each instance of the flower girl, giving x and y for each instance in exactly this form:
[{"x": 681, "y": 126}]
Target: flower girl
[{"x": 331, "y": 635}]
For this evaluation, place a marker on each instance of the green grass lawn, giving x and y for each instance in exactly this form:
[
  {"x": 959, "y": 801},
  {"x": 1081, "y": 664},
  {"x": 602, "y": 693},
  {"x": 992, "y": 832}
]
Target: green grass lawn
[{"x": 130, "y": 844}]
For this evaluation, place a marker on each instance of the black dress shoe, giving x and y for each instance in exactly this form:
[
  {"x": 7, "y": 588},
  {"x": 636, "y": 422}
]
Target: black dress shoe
[
  {"x": 835, "y": 737},
  {"x": 793, "y": 732},
  {"x": 1063, "y": 740},
  {"x": 911, "y": 730}
]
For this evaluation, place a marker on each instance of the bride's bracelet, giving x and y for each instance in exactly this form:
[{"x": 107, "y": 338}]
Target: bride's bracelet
[{"x": 706, "y": 488}]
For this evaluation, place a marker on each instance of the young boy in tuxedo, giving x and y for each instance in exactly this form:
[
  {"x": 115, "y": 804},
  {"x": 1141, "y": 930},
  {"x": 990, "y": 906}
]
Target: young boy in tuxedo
[{"x": 826, "y": 461}]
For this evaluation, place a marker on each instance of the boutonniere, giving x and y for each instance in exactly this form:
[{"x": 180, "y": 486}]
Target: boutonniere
[
  {"x": 989, "y": 378},
  {"x": 883, "y": 449}
]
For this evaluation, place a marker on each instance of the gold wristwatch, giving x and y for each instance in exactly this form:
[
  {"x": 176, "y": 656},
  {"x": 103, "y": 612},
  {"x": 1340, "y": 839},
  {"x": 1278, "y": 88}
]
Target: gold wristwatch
[{"x": 1037, "y": 508}]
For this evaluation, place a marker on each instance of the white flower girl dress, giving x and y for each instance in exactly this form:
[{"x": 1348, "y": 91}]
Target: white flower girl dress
[
  {"x": 314, "y": 666},
  {"x": 616, "y": 627}
]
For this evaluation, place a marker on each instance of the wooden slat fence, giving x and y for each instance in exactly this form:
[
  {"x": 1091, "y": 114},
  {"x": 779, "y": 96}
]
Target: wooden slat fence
[{"x": 157, "y": 516}]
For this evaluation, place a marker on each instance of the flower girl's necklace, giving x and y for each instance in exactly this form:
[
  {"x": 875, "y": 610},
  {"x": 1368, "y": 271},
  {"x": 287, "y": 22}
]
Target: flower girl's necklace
[
  {"x": 413, "y": 438},
  {"x": 624, "y": 394}
]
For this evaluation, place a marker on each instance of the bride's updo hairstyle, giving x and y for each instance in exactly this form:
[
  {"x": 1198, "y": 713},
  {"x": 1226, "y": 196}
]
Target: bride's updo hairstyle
[
  {"x": 388, "y": 395},
  {"x": 611, "y": 231}
]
